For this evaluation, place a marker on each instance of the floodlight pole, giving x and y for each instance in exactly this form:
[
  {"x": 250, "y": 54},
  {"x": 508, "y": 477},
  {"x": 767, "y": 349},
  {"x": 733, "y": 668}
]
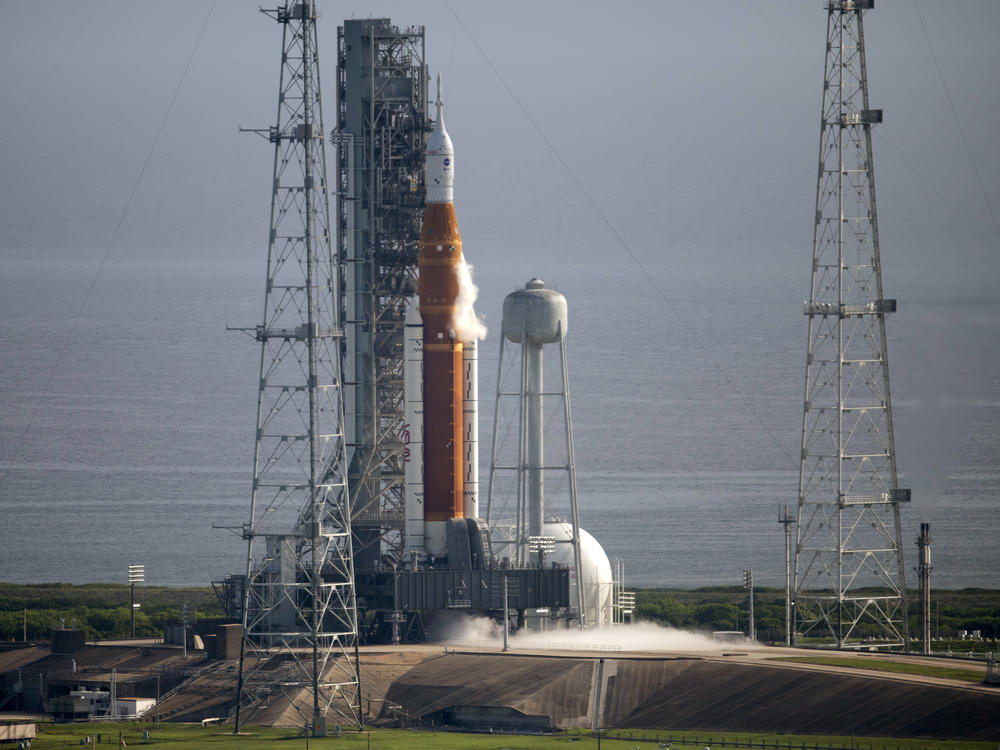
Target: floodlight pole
[{"x": 136, "y": 574}]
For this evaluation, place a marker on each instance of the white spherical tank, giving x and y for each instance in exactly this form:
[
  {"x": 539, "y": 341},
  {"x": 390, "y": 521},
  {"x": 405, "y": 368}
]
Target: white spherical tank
[
  {"x": 596, "y": 571},
  {"x": 537, "y": 311}
]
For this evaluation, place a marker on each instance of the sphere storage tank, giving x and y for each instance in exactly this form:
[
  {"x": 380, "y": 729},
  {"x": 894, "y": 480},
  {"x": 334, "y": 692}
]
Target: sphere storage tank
[
  {"x": 596, "y": 571},
  {"x": 537, "y": 311}
]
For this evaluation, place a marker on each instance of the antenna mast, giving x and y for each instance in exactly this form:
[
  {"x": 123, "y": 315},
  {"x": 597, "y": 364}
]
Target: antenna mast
[
  {"x": 849, "y": 581},
  {"x": 299, "y": 608}
]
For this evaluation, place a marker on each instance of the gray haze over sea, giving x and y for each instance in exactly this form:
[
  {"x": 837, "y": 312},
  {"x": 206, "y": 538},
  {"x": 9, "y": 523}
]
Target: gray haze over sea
[{"x": 127, "y": 411}]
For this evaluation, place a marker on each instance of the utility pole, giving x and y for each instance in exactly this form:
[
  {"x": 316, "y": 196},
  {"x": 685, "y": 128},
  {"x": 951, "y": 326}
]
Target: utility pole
[
  {"x": 396, "y": 617},
  {"x": 924, "y": 574},
  {"x": 506, "y": 616},
  {"x": 748, "y": 585},
  {"x": 849, "y": 578},
  {"x": 786, "y": 519}
]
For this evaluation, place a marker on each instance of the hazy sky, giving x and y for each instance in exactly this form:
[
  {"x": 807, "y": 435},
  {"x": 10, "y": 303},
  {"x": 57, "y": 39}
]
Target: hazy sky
[
  {"x": 693, "y": 127},
  {"x": 86, "y": 87},
  {"x": 734, "y": 87}
]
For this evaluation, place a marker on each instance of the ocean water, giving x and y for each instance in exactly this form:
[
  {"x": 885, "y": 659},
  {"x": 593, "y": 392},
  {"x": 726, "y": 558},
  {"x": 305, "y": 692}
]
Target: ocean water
[
  {"x": 134, "y": 435},
  {"x": 678, "y": 225}
]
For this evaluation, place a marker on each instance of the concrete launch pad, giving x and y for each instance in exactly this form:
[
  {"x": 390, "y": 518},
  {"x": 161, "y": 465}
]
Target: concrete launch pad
[{"x": 733, "y": 690}]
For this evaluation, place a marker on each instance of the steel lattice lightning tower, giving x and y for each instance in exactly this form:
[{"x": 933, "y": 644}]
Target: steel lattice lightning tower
[
  {"x": 849, "y": 580},
  {"x": 299, "y": 612}
]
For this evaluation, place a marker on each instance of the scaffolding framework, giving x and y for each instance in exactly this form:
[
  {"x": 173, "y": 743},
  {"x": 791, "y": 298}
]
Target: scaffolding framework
[
  {"x": 379, "y": 141},
  {"x": 849, "y": 579},
  {"x": 299, "y": 610}
]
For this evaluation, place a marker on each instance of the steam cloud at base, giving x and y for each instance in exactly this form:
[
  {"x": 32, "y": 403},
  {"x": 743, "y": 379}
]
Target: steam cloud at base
[{"x": 643, "y": 636}]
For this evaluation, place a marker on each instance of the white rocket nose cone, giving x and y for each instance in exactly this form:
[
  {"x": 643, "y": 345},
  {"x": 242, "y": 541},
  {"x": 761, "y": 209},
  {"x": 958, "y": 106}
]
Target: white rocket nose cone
[
  {"x": 439, "y": 142},
  {"x": 440, "y": 160}
]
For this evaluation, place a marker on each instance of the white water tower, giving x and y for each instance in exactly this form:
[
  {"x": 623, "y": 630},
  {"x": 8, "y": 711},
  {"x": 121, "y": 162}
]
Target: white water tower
[{"x": 535, "y": 317}]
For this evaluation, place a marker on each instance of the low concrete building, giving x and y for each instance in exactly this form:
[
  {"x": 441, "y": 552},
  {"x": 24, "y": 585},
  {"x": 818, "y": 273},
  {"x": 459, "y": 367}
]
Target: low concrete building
[
  {"x": 12, "y": 731},
  {"x": 77, "y": 673},
  {"x": 131, "y": 708}
]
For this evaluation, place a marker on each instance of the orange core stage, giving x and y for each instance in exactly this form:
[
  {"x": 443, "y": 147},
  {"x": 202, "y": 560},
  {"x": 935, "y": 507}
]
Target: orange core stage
[{"x": 440, "y": 255}]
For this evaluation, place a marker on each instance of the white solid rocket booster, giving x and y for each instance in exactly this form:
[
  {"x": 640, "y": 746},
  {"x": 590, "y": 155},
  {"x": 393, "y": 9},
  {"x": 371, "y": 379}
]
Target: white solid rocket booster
[
  {"x": 413, "y": 417},
  {"x": 470, "y": 429}
]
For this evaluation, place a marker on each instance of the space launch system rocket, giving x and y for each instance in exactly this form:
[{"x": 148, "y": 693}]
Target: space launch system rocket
[{"x": 449, "y": 423}]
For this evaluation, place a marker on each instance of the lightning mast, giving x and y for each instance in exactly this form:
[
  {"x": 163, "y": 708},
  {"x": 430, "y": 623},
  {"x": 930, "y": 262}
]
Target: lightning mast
[
  {"x": 299, "y": 609},
  {"x": 849, "y": 581}
]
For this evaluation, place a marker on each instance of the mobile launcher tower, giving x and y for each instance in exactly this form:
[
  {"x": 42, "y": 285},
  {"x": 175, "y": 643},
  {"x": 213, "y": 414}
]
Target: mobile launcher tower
[{"x": 411, "y": 398}]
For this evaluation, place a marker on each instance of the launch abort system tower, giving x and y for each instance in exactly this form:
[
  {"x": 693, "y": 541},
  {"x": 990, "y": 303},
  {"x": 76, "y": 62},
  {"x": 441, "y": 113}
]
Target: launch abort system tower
[
  {"x": 849, "y": 581},
  {"x": 299, "y": 611}
]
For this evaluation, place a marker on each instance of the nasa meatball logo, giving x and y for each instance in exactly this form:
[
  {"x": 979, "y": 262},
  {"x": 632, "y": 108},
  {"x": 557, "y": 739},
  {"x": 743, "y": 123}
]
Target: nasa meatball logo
[{"x": 447, "y": 162}]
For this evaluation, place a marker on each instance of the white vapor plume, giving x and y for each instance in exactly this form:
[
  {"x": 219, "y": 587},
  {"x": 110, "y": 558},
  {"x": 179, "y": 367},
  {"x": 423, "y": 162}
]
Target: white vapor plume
[
  {"x": 467, "y": 325},
  {"x": 641, "y": 636}
]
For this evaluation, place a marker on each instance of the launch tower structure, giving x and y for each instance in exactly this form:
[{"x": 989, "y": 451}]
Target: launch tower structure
[
  {"x": 849, "y": 579},
  {"x": 387, "y": 159},
  {"x": 379, "y": 141},
  {"x": 299, "y": 610}
]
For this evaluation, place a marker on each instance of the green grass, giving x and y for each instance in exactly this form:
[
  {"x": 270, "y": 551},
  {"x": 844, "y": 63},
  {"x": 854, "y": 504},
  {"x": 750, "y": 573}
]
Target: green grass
[
  {"x": 926, "y": 670},
  {"x": 174, "y": 736},
  {"x": 716, "y": 740}
]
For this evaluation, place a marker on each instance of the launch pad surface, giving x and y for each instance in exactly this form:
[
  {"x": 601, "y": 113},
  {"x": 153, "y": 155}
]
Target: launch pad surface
[
  {"x": 731, "y": 687},
  {"x": 725, "y": 690}
]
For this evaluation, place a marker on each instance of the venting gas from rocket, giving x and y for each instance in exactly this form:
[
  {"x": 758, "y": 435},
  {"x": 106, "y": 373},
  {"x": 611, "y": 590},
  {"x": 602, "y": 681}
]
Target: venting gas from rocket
[{"x": 449, "y": 368}]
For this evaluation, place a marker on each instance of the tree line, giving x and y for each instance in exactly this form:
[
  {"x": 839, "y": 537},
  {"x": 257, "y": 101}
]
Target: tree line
[
  {"x": 726, "y": 608},
  {"x": 103, "y": 610}
]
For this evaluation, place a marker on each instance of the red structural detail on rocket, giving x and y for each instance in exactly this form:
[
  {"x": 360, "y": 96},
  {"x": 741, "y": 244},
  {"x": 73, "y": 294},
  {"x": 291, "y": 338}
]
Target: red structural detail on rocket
[{"x": 440, "y": 256}]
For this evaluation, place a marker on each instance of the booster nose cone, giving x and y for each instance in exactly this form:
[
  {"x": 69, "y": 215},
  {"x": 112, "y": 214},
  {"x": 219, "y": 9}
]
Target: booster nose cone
[{"x": 439, "y": 165}]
